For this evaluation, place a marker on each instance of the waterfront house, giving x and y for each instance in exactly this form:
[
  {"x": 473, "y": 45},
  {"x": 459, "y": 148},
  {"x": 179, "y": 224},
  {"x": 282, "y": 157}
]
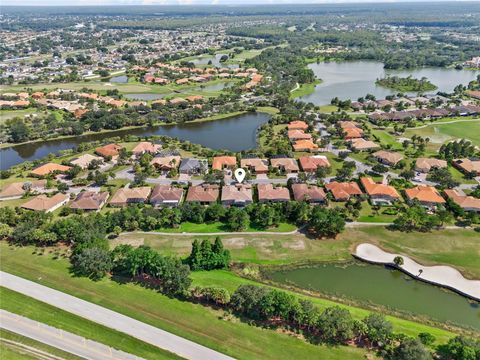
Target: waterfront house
[
  {"x": 224, "y": 162},
  {"x": 193, "y": 166},
  {"x": 50, "y": 168},
  {"x": 164, "y": 164},
  {"x": 84, "y": 160},
  {"x": 146, "y": 147},
  {"x": 109, "y": 151},
  {"x": 285, "y": 165},
  {"x": 256, "y": 165}
]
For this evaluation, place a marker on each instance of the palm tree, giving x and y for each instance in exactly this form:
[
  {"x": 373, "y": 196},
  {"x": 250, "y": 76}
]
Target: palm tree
[
  {"x": 420, "y": 271},
  {"x": 398, "y": 260}
]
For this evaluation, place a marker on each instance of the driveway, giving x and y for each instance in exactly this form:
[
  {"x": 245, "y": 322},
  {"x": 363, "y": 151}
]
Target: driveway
[{"x": 114, "y": 320}]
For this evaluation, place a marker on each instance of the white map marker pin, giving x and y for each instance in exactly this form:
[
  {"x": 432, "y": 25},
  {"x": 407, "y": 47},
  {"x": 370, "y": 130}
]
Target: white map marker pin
[{"x": 239, "y": 174}]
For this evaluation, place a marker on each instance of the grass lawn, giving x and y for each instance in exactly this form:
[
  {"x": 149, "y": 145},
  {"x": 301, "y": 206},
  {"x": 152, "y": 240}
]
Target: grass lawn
[
  {"x": 39, "y": 311},
  {"x": 268, "y": 109},
  {"x": 221, "y": 227},
  {"x": 370, "y": 216},
  {"x": 439, "y": 133},
  {"x": 206, "y": 326},
  {"x": 9, "y": 114},
  {"x": 19, "y": 350},
  {"x": 328, "y": 108},
  {"x": 304, "y": 89}
]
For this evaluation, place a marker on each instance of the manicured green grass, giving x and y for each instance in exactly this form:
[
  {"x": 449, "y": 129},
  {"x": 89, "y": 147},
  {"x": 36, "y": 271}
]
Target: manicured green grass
[
  {"x": 220, "y": 227},
  {"x": 268, "y": 109},
  {"x": 9, "y": 353},
  {"x": 21, "y": 342},
  {"x": 9, "y": 114},
  {"x": 44, "y": 313},
  {"x": 328, "y": 108},
  {"x": 204, "y": 325},
  {"x": 304, "y": 89},
  {"x": 440, "y": 133},
  {"x": 367, "y": 214}
]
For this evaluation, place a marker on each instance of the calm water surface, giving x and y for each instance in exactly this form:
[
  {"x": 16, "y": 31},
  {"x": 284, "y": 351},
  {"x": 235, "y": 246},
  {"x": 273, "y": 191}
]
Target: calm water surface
[
  {"x": 351, "y": 80},
  {"x": 235, "y": 134},
  {"x": 144, "y": 96},
  {"x": 122, "y": 79},
  {"x": 382, "y": 286},
  {"x": 203, "y": 60}
]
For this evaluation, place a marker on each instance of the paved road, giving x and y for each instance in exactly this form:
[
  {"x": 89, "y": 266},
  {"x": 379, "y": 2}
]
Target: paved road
[
  {"x": 144, "y": 332},
  {"x": 60, "y": 339}
]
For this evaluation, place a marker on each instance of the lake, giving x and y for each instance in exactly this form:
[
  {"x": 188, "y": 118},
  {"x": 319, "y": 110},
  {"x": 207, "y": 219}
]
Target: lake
[
  {"x": 204, "y": 60},
  {"x": 122, "y": 79},
  {"x": 236, "y": 134},
  {"x": 354, "y": 79},
  {"x": 386, "y": 287}
]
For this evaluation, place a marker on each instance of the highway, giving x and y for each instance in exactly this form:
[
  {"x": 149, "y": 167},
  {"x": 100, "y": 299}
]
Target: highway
[{"x": 114, "y": 320}]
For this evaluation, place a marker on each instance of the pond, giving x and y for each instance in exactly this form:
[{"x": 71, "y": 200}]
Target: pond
[
  {"x": 122, "y": 79},
  {"x": 236, "y": 133},
  {"x": 204, "y": 60},
  {"x": 354, "y": 79},
  {"x": 144, "y": 96},
  {"x": 214, "y": 87},
  {"x": 386, "y": 287}
]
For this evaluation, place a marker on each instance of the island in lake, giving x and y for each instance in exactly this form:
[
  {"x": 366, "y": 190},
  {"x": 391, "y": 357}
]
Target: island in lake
[{"x": 406, "y": 84}]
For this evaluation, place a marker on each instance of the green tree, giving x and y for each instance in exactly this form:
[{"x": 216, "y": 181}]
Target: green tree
[
  {"x": 325, "y": 222},
  {"x": 93, "y": 263},
  {"x": 411, "y": 349},
  {"x": 336, "y": 325}
]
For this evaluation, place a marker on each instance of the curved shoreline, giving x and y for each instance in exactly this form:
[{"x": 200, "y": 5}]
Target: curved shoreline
[{"x": 440, "y": 275}]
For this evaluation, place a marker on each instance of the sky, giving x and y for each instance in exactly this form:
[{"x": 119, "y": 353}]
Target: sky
[{"x": 186, "y": 2}]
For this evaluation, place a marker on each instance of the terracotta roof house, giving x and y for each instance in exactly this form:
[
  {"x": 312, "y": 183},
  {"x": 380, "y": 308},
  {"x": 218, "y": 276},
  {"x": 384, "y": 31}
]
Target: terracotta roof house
[
  {"x": 17, "y": 190},
  {"x": 204, "y": 194},
  {"x": 311, "y": 163},
  {"x": 45, "y": 203},
  {"x": 166, "y": 195},
  {"x": 287, "y": 165},
  {"x": 166, "y": 163},
  {"x": 468, "y": 166},
  {"x": 111, "y": 150},
  {"x": 125, "y": 196},
  {"x": 427, "y": 196},
  {"x": 362, "y": 144},
  {"x": 193, "y": 166},
  {"x": 256, "y": 165},
  {"x": 388, "y": 157},
  {"x": 49, "y": 168},
  {"x": 467, "y": 203},
  {"x": 352, "y": 133},
  {"x": 343, "y": 191},
  {"x": 426, "y": 164},
  {"x": 267, "y": 192},
  {"x": 84, "y": 160},
  {"x": 348, "y": 125},
  {"x": 224, "y": 162},
  {"x": 194, "y": 98},
  {"x": 90, "y": 200},
  {"x": 294, "y": 135},
  {"x": 237, "y": 195},
  {"x": 177, "y": 100},
  {"x": 380, "y": 194},
  {"x": 297, "y": 125},
  {"x": 309, "y": 193},
  {"x": 305, "y": 145},
  {"x": 146, "y": 147}
]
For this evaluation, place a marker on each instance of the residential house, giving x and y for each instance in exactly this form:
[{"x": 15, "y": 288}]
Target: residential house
[
  {"x": 310, "y": 164},
  {"x": 84, "y": 160},
  {"x": 294, "y": 135},
  {"x": 44, "y": 203},
  {"x": 363, "y": 145},
  {"x": 165, "y": 164},
  {"x": 297, "y": 125},
  {"x": 426, "y": 196},
  {"x": 18, "y": 189},
  {"x": 380, "y": 194},
  {"x": 467, "y": 203},
  {"x": 204, "y": 194},
  {"x": 305, "y": 145},
  {"x": 343, "y": 191},
  {"x": 193, "y": 166},
  {"x": 49, "y": 168},
  {"x": 109, "y": 151},
  {"x": 285, "y": 165},
  {"x": 256, "y": 165},
  {"x": 224, "y": 162},
  {"x": 468, "y": 166},
  {"x": 309, "y": 193},
  {"x": 237, "y": 195},
  {"x": 389, "y": 158},
  {"x": 125, "y": 196},
  {"x": 267, "y": 192},
  {"x": 146, "y": 147},
  {"x": 90, "y": 200},
  {"x": 166, "y": 195},
  {"x": 424, "y": 165}
]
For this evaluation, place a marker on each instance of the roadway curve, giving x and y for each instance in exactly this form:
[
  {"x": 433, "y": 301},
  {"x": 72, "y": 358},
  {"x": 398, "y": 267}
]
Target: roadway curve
[{"x": 114, "y": 320}]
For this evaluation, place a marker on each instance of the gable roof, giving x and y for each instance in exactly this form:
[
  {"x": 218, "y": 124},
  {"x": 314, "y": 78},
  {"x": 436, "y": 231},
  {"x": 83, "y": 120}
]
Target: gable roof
[
  {"x": 424, "y": 193},
  {"x": 374, "y": 189}
]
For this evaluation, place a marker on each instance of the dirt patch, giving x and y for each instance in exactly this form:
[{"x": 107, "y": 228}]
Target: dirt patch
[
  {"x": 235, "y": 243},
  {"x": 298, "y": 244},
  {"x": 133, "y": 241}
]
